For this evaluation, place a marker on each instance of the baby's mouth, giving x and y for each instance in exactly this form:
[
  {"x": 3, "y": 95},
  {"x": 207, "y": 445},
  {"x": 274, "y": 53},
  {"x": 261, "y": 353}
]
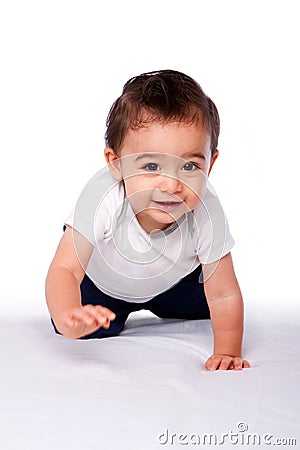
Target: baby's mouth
[{"x": 167, "y": 205}]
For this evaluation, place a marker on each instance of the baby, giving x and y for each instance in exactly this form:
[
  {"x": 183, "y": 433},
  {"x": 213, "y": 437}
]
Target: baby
[{"x": 148, "y": 231}]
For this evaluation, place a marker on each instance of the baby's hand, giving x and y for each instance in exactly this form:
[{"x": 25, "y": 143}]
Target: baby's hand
[
  {"x": 226, "y": 362},
  {"x": 86, "y": 319}
]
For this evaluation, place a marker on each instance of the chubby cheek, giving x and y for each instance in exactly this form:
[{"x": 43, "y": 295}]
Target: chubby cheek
[
  {"x": 193, "y": 194},
  {"x": 192, "y": 201},
  {"x": 139, "y": 194},
  {"x": 136, "y": 186}
]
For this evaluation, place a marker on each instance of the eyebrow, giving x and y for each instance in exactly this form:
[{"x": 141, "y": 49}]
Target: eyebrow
[
  {"x": 154, "y": 155},
  {"x": 147, "y": 155},
  {"x": 194, "y": 155}
]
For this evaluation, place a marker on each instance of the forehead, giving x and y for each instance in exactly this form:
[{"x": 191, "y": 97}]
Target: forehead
[{"x": 175, "y": 138}]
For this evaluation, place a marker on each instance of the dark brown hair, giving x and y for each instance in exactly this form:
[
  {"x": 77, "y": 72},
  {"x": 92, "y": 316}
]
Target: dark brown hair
[{"x": 166, "y": 96}]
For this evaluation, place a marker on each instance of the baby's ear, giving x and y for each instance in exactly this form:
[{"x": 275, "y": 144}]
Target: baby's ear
[
  {"x": 113, "y": 162},
  {"x": 213, "y": 160}
]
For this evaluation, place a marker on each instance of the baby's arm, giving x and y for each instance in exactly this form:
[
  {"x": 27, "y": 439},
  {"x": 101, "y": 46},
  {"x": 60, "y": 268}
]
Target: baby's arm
[
  {"x": 227, "y": 315},
  {"x": 63, "y": 289}
]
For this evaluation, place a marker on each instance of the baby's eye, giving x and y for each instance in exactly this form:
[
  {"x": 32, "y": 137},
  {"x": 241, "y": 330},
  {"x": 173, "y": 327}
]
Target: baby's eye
[
  {"x": 190, "y": 166},
  {"x": 151, "y": 167}
]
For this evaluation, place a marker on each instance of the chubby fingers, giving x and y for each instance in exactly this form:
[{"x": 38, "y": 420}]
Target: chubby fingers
[
  {"x": 245, "y": 364},
  {"x": 226, "y": 362},
  {"x": 239, "y": 363},
  {"x": 221, "y": 362},
  {"x": 90, "y": 314}
]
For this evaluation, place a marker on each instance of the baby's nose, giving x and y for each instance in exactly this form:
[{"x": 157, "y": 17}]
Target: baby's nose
[{"x": 170, "y": 184}]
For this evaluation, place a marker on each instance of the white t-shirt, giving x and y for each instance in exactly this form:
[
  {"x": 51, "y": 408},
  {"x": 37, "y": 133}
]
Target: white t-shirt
[{"x": 130, "y": 264}]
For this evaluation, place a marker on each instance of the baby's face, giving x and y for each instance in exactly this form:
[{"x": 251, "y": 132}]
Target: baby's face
[{"x": 164, "y": 168}]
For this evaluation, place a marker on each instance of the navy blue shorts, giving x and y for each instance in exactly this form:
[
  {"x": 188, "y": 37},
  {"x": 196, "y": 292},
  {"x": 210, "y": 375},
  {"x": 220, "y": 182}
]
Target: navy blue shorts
[{"x": 185, "y": 300}]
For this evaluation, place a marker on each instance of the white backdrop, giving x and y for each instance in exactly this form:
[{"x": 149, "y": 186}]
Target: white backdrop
[{"x": 64, "y": 62}]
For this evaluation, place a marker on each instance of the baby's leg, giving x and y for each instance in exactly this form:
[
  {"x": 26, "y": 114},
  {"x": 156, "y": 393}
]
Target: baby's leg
[{"x": 185, "y": 300}]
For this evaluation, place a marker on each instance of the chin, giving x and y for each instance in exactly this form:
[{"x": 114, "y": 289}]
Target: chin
[{"x": 163, "y": 218}]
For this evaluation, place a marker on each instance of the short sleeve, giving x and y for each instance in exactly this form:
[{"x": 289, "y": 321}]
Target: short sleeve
[
  {"x": 214, "y": 239},
  {"x": 89, "y": 216}
]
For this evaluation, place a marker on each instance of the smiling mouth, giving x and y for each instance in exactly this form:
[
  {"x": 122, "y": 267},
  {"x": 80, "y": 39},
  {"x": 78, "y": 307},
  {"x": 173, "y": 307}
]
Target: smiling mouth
[{"x": 167, "y": 205}]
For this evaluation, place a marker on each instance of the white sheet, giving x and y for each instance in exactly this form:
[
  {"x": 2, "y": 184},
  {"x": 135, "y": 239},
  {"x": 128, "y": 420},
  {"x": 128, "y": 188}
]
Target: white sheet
[{"x": 124, "y": 392}]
